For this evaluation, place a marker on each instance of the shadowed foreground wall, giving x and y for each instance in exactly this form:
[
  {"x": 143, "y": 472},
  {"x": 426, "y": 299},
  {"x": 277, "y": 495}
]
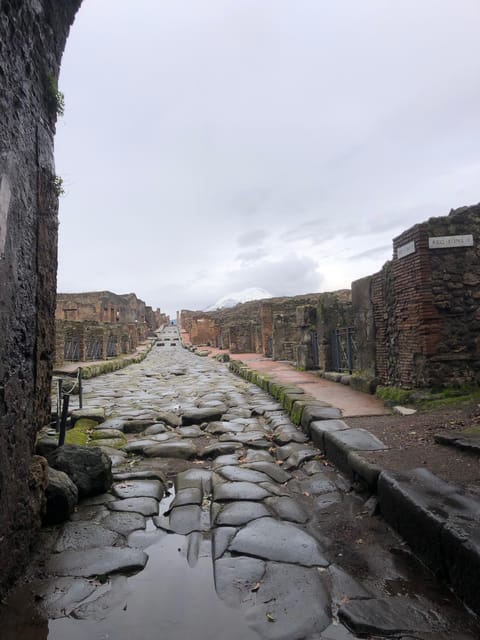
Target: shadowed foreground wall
[{"x": 32, "y": 38}]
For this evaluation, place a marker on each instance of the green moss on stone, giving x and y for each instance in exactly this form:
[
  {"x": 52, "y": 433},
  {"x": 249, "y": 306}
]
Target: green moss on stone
[{"x": 81, "y": 432}]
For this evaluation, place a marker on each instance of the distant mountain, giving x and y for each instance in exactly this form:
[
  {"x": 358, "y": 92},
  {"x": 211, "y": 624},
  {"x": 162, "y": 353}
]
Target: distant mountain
[{"x": 231, "y": 299}]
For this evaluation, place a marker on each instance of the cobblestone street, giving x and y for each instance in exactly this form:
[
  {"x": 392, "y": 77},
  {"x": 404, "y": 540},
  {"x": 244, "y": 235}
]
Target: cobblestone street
[{"x": 223, "y": 522}]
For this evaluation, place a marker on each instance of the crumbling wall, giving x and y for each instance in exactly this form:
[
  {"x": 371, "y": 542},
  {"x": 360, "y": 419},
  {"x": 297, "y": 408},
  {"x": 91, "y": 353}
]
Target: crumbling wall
[{"x": 32, "y": 38}]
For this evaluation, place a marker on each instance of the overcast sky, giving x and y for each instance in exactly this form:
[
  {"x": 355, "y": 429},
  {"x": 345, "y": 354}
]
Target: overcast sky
[{"x": 212, "y": 145}]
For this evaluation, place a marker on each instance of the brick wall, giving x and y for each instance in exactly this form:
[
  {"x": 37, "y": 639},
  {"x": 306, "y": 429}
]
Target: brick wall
[{"x": 424, "y": 307}]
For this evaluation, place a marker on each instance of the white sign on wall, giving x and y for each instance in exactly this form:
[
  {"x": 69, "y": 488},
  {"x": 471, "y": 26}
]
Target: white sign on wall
[
  {"x": 406, "y": 249},
  {"x": 447, "y": 242}
]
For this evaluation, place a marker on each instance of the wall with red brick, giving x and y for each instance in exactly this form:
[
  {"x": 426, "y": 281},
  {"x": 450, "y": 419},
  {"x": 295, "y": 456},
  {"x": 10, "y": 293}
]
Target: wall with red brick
[{"x": 424, "y": 306}]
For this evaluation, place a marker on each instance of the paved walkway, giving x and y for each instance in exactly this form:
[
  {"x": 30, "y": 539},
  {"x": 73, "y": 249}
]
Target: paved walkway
[{"x": 350, "y": 402}]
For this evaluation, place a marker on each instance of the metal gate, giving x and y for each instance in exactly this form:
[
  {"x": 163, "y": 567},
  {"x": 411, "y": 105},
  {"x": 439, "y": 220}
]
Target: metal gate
[
  {"x": 111, "y": 346},
  {"x": 71, "y": 349},
  {"x": 314, "y": 345},
  {"x": 94, "y": 349},
  {"x": 343, "y": 349}
]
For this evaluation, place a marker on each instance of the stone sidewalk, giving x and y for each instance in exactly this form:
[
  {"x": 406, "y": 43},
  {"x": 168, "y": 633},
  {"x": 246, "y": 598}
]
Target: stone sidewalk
[{"x": 439, "y": 520}]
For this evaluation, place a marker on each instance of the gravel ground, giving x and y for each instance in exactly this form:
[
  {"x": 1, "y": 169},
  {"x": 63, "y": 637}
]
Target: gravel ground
[{"x": 411, "y": 442}]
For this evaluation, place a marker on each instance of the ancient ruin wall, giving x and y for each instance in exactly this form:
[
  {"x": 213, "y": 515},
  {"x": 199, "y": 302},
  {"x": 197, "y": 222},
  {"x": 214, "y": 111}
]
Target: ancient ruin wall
[
  {"x": 425, "y": 305},
  {"x": 32, "y": 38}
]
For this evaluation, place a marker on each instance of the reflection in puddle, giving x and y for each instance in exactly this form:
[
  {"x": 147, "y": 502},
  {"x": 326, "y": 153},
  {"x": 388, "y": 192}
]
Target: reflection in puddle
[{"x": 169, "y": 599}]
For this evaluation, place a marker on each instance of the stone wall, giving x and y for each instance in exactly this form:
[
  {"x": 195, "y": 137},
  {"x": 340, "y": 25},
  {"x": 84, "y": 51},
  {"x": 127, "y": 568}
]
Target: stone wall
[
  {"x": 105, "y": 306},
  {"x": 203, "y": 331},
  {"x": 423, "y": 307},
  {"x": 32, "y": 38},
  {"x": 88, "y": 341}
]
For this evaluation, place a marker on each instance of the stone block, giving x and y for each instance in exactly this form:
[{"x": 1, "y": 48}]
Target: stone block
[
  {"x": 318, "y": 411},
  {"x": 319, "y": 428},
  {"x": 339, "y": 444}
]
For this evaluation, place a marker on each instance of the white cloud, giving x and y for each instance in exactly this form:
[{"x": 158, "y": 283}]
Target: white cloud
[{"x": 206, "y": 144}]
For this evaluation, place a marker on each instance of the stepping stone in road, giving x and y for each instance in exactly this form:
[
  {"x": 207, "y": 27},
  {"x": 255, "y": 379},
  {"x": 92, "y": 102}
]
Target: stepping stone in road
[
  {"x": 96, "y": 562},
  {"x": 273, "y": 540},
  {"x": 238, "y": 513}
]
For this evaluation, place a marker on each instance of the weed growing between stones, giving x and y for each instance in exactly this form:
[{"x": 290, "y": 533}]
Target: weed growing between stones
[{"x": 57, "y": 98}]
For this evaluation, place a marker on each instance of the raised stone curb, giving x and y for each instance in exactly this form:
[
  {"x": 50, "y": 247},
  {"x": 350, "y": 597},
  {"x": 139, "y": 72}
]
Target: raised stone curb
[
  {"x": 339, "y": 444},
  {"x": 439, "y": 522}
]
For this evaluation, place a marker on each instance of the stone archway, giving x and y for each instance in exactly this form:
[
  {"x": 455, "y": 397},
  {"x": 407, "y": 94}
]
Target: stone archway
[{"x": 33, "y": 34}]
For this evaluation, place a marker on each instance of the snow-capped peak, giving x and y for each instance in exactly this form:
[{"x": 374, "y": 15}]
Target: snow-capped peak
[{"x": 231, "y": 299}]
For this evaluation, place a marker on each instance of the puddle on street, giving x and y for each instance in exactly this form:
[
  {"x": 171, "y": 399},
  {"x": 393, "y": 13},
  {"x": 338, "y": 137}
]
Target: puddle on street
[
  {"x": 173, "y": 598},
  {"x": 168, "y": 600}
]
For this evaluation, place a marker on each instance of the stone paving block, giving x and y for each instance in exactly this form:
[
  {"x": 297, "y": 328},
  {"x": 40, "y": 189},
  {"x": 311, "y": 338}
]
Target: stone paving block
[
  {"x": 236, "y": 577},
  {"x": 200, "y": 478},
  {"x": 235, "y": 514},
  {"x": 273, "y": 540},
  {"x": 183, "y": 449},
  {"x": 239, "y": 474},
  {"x": 191, "y": 495},
  {"x": 221, "y": 538},
  {"x": 92, "y": 413},
  {"x": 96, "y": 562},
  {"x": 184, "y": 520},
  {"x": 145, "y": 506},
  {"x": 220, "y": 449},
  {"x": 207, "y": 414},
  {"x": 138, "y": 489},
  {"x": 239, "y": 491},
  {"x": 287, "y": 508},
  {"x": 274, "y": 471},
  {"x": 292, "y": 604}
]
